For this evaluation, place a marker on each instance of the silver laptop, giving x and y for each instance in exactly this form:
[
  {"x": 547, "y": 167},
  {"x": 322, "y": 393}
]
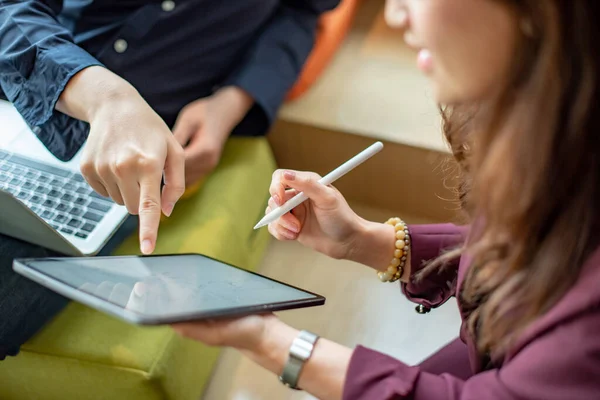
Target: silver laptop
[{"x": 48, "y": 202}]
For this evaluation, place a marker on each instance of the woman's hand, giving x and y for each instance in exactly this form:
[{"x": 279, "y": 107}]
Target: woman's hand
[
  {"x": 325, "y": 222},
  {"x": 267, "y": 341},
  {"x": 245, "y": 333}
]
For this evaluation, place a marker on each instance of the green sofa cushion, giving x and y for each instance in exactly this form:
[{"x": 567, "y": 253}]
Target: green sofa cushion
[{"x": 83, "y": 354}]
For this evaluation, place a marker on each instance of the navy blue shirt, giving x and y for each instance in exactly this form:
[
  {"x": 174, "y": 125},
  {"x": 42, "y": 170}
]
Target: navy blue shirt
[{"x": 172, "y": 52}]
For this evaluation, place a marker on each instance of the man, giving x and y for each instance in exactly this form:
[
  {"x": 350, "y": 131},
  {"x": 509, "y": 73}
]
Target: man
[{"x": 154, "y": 87}]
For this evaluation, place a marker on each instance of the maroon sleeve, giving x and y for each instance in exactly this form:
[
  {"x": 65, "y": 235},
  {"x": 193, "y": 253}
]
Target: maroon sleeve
[
  {"x": 537, "y": 372},
  {"x": 427, "y": 243}
]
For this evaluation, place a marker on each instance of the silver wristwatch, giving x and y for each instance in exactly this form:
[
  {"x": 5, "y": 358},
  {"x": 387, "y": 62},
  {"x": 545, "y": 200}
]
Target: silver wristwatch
[{"x": 300, "y": 351}]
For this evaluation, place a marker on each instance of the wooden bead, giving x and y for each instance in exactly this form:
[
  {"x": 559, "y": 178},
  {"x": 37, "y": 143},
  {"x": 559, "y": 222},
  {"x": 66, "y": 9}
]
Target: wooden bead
[{"x": 396, "y": 267}]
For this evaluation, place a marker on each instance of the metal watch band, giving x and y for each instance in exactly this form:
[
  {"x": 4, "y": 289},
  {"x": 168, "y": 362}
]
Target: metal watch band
[{"x": 300, "y": 351}]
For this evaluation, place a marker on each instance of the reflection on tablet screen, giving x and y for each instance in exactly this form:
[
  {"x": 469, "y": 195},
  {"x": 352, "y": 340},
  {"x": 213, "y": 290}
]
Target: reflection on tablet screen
[{"x": 166, "y": 285}]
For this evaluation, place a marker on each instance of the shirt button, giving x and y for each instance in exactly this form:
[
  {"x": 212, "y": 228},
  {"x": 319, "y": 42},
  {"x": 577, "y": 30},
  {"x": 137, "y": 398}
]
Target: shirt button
[
  {"x": 421, "y": 309},
  {"x": 36, "y": 130},
  {"x": 168, "y": 5},
  {"x": 120, "y": 45}
]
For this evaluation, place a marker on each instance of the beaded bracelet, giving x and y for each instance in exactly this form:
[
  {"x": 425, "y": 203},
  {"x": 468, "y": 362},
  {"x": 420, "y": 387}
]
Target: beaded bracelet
[{"x": 396, "y": 268}]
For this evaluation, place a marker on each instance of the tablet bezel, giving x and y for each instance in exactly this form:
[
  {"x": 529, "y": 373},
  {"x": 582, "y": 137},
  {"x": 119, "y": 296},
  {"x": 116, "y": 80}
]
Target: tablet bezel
[{"x": 23, "y": 267}]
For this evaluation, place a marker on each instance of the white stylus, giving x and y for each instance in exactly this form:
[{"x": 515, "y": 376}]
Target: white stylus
[{"x": 326, "y": 180}]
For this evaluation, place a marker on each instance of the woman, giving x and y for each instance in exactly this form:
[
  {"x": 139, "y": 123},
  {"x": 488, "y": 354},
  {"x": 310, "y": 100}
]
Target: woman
[{"x": 520, "y": 81}]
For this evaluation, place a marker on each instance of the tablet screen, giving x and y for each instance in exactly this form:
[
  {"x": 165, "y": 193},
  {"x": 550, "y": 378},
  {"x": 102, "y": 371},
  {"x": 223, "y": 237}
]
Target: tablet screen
[{"x": 164, "y": 286}]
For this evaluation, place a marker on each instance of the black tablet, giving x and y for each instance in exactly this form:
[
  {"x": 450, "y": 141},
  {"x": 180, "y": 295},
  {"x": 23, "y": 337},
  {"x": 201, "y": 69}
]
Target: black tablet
[{"x": 153, "y": 290}]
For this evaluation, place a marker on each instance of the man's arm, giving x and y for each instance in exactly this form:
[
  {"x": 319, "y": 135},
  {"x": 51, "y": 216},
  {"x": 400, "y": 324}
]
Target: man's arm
[
  {"x": 274, "y": 62},
  {"x": 37, "y": 59},
  {"x": 129, "y": 147}
]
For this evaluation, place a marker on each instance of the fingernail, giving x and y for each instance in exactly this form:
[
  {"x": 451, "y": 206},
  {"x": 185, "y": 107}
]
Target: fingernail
[
  {"x": 169, "y": 209},
  {"x": 277, "y": 200},
  {"x": 292, "y": 228},
  {"x": 146, "y": 246},
  {"x": 289, "y": 175},
  {"x": 290, "y": 235}
]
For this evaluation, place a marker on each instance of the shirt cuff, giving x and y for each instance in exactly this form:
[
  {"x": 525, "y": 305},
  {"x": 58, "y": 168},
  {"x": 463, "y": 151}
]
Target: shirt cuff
[
  {"x": 268, "y": 89},
  {"x": 427, "y": 243},
  {"x": 36, "y": 95},
  {"x": 372, "y": 375}
]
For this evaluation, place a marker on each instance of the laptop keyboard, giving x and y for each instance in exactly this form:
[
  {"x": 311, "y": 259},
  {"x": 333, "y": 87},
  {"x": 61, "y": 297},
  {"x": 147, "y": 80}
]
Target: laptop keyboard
[{"x": 60, "y": 197}]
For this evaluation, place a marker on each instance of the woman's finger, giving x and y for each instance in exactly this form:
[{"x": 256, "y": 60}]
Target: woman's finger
[
  {"x": 281, "y": 233},
  {"x": 308, "y": 183},
  {"x": 277, "y": 188}
]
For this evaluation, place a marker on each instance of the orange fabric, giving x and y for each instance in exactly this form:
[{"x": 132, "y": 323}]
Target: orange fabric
[{"x": 333, "y": 27}]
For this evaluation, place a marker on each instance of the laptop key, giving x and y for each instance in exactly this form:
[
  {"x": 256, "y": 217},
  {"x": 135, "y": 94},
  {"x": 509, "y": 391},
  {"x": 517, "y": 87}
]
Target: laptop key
[
  {"x": 92, "y": 216},
  {"x": 100, "y": 197},
  {"x": 28, "y": 185},
  {"x": 80, "y": 201},
  {"x": 43, "y": 178},
  {"x": 74, "y": 223},
  {"x": 67, "y": 197},
  {"x": 76, "y": 211},
  {"x": 54, "y": 193},
  {"x": 66, "y": 230},
  {"x": 69, "y": 186},
  {"x": 27, "y": 162},
  {"x": 83, "y": 190},
  {"x": 46, "y": 214},
  {"x": 55, "y": 227},
  {"x": 35, "y": 209},
  {"x": 60, "y": 219},
  {"x": 18, "y": 171},
  {"x": 23, "y": 195},
  {"x": 42, "y": 189},
  {"x": 3, "y": 178},
  {"x": 62, "y": 207},
  {"x": 81, "y": 235},
  {"x": 95, "y": 205},
  {"x": 5, "y": 167},
  {"x": 3, "y": 154},
  {"x": 12, "y": 190},
  {"x": 49, "y": 203},
  {"x": 35, "y": 199},
  {"x": 14, "y": 182},
  {"x": 31, "y": 175},
  {"x": 87, "y": 227},
  {"x": 78, "y": 178}
]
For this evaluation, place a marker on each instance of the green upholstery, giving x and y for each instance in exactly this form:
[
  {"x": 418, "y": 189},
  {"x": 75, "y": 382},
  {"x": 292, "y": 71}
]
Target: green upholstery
[{"x": 83, "y": 354}]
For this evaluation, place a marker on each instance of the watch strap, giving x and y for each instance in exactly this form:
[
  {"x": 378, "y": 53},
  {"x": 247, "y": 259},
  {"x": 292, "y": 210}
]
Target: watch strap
[{"x": 300, "y": 351}]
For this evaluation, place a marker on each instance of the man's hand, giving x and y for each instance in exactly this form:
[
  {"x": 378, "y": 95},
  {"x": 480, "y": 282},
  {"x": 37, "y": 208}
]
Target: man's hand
[
  {"x": 203, "y": 127},
  {"x": 128, "y": 150}
]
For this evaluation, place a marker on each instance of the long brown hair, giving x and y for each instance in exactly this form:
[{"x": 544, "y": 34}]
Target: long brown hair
[{"x": 530, "y": 172}]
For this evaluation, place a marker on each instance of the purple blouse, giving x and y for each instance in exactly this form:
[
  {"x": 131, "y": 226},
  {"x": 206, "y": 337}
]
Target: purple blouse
[{"x": 557, "y": 357}]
